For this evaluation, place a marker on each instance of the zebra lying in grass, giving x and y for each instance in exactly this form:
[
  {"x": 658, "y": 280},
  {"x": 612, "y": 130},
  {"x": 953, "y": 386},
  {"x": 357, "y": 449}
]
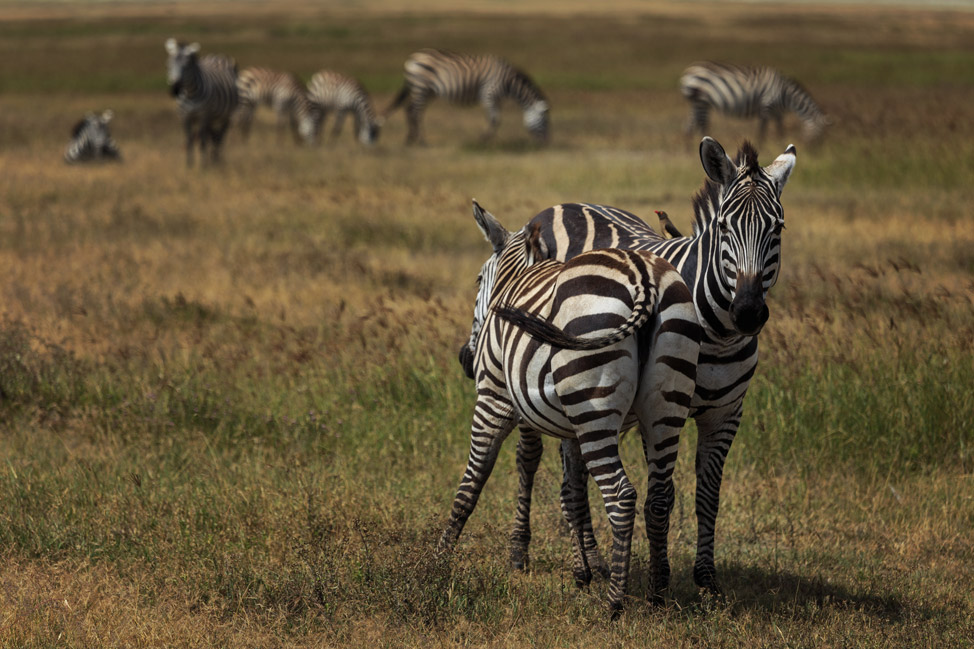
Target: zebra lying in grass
[
  {"x": 91, "y": 140},
  {"x": 581, "y": 350},
  {"x": 464, "y": 79}
]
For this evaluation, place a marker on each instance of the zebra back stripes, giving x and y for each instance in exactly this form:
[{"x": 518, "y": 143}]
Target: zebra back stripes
[
  {"x": 748, "y": 92},
  {"x": 91, "y": 139},
  {"x": 729, "y": 263},
  {"x": 567, "y": 349},
  {"x": 206, "y": 89},
  {"x": 285, "y": 94},
  {"x": 465, "y": 79},
  {"x": 335, "y": 92}
]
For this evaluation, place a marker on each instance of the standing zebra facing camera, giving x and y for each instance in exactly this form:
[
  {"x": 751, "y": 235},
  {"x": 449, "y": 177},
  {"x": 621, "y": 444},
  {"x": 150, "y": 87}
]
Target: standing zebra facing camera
[
  {"x": 334, "y": 92},
  {"x": 285, "y": 94},
  {"x": 748, "y": 92},
  {"x": 464, "y": 80},
  {"x": 91, "y": 140},
  {"x": 206, "y": 89},
  {"x": 730, "y": 262},
  {"x": 581, "y": 350}
]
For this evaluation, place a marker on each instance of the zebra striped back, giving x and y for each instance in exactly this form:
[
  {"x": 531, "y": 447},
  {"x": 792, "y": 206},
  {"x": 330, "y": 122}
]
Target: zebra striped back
[
  {"x": 284, "y": 93},
  {"x": 206, "y": 89},
  {"x": 580, "y": 350},
  {"x": 748, "y": 93},
  {"x": 335, "y": 92},
  {"x": 465, "y": 79},
  {"x": 91, "y": 140}
]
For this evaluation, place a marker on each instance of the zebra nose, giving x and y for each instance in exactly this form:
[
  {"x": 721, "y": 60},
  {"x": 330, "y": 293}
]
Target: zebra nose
[
  {"x": 748, "y": 312},
  {"x": 466, "y": 360}
]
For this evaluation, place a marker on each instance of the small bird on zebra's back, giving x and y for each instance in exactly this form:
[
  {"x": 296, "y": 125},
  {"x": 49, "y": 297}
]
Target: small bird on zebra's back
[
  {"x": 285, "y": 94},
  {"x": 666, "y": 225},
  {"x": 759, "y": 92},
  {"x": 465, "y": 79},
  {"x": 91, "y": 140},
  {"x": 206, "y": 89},
  {"x": 334, "y": 92}
]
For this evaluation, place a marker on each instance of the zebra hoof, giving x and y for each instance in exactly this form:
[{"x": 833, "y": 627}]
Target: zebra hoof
[
  {"x": 582, "y": 578},
  {"x": 615, "y": 610}
]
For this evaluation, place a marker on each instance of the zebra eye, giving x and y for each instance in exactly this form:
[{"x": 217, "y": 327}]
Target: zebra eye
[{"x": 778, "y": 227}]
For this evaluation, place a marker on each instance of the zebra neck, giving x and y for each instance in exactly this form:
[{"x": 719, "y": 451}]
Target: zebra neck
[
  {"x": 798, "y": 100},
  {"x": 524, "y": 93},
  {"x": 192, "y": 86},
  {"x": 711, "y": 297}
]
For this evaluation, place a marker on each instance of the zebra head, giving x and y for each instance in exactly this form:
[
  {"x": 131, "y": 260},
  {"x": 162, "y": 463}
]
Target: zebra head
[
  {"x": 513, "y": 251},
  {"x": 747, "y": 229},
  {"x": 536, "y": 119},
  {"x": 369, "y": 132},
  {"x": 180, "y": 57}
]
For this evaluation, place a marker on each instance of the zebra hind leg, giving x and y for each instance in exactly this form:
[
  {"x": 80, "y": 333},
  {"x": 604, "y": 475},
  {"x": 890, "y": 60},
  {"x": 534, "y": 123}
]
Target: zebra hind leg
[
  {"x": 529, "y": 449},
  {"x": 587, "y": 560}
]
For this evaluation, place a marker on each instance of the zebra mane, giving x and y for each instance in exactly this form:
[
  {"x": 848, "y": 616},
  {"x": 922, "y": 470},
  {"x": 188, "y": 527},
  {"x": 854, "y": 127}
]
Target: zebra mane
[
  {"x": 523, "y": 86},
  {"x": 706, "y": 201}
]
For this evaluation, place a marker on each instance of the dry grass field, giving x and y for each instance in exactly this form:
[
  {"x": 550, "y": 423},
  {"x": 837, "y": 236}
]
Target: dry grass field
[{"x": 230, "y": 410}]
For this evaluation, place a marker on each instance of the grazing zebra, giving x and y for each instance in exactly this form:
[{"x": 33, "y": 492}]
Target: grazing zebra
[
  {"x": 285, "y": 94},
  {"x": 91, "y": 140},
  {"x": 464, "y": 79},
  {"x": 747, "y": 93},
  {"x": 730, "y": 262},
  {"x": 335, "y": 92},
  {"x": 207, "y": 92},
  {"x": 580, "y": 350}
]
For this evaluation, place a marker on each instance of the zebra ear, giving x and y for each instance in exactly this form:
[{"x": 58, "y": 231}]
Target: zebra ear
[
  {"x": 716, "y": 163},
  {"x": 107, "y": 115},
  {"x": 193, "y": 48},
  {"x": 780, "y": 169},
  {"x": 172, "y": 46},
  {"x": 495, "y": 233}
]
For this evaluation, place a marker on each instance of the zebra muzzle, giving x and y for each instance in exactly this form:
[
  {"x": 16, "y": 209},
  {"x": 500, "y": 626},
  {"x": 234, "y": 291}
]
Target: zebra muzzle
[{"x": 748, "y": 311}]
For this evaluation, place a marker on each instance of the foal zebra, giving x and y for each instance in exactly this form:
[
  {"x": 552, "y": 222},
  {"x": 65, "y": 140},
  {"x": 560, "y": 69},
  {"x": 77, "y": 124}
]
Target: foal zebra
[
  {"x": 331, "y": 91},
  {"x": 580, "y": 350},
  {"x": 91, "y": 140},
  {"x": 730, "y": 262},
  {"x": 465, "y": 79},
  {"x": 748, "y": 92},
  {"x": 285, "y": 94},
  {"x": 207, "y": 92}
]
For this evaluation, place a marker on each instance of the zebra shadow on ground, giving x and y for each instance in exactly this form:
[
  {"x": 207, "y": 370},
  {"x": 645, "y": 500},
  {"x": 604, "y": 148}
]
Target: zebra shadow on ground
[{"x": 748, "y": 588}]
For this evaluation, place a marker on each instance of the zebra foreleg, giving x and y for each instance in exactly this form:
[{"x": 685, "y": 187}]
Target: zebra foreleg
[
  {"x": 414, "y": 113},
  {"x": 488, "y": 433},
  {"x": 529, "y": 449},
  {"x": 217, "y": 133},
  {"x": 493, "y": 119},
  {"x": 336, "y": 128},
  {"x": 191, "y": 134},
  {"x": 715, "y": 435}
]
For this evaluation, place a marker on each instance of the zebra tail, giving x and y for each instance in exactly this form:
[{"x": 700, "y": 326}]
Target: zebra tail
[
  {"x": 548, "y": 333},
  {"x": 397, "y": 102}
]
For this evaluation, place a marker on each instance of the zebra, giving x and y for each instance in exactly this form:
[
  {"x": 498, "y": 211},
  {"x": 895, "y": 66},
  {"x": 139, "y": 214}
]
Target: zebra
[
  {"x": 285, "y": 94},
  {"x": 580, "y": 350},
  {"x": 91, "y": 139},
  {"x": 748, "y": 92},
  {"x": 207, "y": 92},
  {"x": 729, "y": 262},
  {"x": 333, "y": 91},
  {"x": 467, "y": 79}
]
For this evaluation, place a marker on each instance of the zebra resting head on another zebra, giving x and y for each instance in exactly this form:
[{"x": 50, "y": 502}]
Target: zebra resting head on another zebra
[
  {"x": 581, "y": 350},
  {"x": 91, "y": 139}
]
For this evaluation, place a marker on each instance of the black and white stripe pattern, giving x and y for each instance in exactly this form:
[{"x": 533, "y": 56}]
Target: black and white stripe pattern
[
  {"x": 334, "y": 92},
  {"x": 207, "y": 92},
  {"x": 748, "y": 93},
  {"x": 91, "y": 140},
  {"x": 465, "y": 80},
  {"x": 730, "y": 262},
  {"x": 581, "y": 350},
  {"x": 285, "y": 94}
]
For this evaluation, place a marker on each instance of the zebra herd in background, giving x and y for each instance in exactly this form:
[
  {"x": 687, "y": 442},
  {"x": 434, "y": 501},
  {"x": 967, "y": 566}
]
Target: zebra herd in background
[
  {"x": 210, "y": 92},
  {"x": 728, "y": 265}
]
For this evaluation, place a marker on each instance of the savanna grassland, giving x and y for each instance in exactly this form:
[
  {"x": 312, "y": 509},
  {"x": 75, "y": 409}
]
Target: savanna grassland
[{"x": 230, "y": 409}]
